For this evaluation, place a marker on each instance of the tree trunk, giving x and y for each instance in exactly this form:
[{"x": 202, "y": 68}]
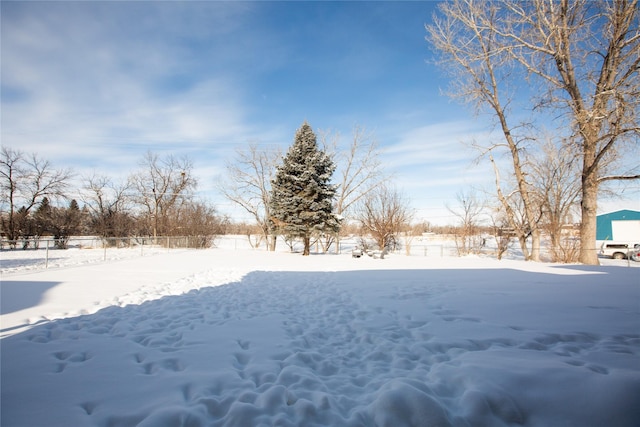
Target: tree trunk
[
  {"x": 589, "y": 204},
  {"x": 522, "y": 239},
  {"x": 535, "y": 245},
  {"x": 555, "y": 236},
  {"x": 307, "y": 245}
]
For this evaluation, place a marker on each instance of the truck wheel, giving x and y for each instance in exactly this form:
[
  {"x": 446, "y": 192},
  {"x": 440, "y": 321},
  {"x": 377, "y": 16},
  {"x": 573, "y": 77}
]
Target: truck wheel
[{"x": 617, "y": 255}]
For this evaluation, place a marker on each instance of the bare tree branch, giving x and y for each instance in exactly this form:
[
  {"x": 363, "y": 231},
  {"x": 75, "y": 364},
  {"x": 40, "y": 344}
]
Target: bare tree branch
[{"x": 619, "y": 178}]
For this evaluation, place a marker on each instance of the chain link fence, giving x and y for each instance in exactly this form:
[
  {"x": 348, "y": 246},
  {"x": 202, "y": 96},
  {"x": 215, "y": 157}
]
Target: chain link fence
[
  {"x": 46, "y": 253},
  {"x": 49, "y": 253}
]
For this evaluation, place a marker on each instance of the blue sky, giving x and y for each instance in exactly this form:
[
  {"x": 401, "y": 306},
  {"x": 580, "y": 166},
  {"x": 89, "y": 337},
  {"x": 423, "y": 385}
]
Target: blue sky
[{"x": 94, "y": 85}]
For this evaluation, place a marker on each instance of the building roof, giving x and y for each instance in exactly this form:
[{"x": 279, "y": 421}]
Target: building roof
[{"x": 603, "y": 222}]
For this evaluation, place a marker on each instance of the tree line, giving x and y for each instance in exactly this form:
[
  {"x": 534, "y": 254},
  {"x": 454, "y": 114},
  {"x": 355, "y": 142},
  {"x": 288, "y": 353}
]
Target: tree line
[
  {"x": 291, "y": 197},
  {"x": 156, "y": 200}
]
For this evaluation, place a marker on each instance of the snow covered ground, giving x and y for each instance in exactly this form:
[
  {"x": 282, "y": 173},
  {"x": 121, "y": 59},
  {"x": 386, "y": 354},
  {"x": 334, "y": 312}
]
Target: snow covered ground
[{"x": 225, "y": 337}]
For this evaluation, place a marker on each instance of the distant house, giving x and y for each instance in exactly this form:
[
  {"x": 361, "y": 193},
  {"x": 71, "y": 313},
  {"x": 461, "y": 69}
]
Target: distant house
[{"x": 621, "y": 226}]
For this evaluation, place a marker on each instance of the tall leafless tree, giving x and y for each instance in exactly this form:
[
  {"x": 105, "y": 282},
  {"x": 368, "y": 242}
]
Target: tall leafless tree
[
  {"x": 585, "y": 57},
  {"x": 160, "y": 186},
  {"x": 24, "y": 181},
  {"x": 523, "y": 217},
  {"x": 109, "y": 204},
  {"x": 466, "y": 33},
  {"x": 358, "y": 168},
  {"x": 469, "y": 211},
  {"x": 249, "y": 185},
  {"x": 555, "y": 174}
]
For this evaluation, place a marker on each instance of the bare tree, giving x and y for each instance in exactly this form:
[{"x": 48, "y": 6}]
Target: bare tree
[
  {"x": 556, "y": 177},
  {"x": 467, "y": 36},
  {"x": 249, "y": 185},
  {"x": 502, "y": 230},
  {"x": 469, "y": 212},
  {"x": 588, "y": 55},
  {"x": 25, "y": 181},
  {"x": 585, "y": 55},
  {"x": 358, "y": 168},
  {"x": 254, "y": 233},
  {"x": 161, "y": 186},
  {"x": 409, "y": 232},
  {"x": 109, "y": 204},
  {"x": 12, "y": 173},
  {"x": 523, "y": 218},
  {"x": 384, "y": 213},
  {"x": 201, "y": 223}
]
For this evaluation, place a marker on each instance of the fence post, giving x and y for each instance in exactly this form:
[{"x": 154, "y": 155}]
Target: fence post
[
  {"x": 46, "y": 260},
  {"x": 104, "y": 245}
]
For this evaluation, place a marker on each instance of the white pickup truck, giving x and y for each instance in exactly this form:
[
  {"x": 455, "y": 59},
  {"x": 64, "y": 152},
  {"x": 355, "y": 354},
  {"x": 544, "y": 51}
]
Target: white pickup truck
[{"x": 618, "y": 250}]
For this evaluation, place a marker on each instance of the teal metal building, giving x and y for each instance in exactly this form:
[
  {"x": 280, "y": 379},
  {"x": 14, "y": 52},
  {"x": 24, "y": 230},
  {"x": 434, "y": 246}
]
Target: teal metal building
[{"x": 604, "y": 230}]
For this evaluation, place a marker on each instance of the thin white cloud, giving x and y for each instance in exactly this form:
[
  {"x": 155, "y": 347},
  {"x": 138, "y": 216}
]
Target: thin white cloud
[
  {"x": 436, "y": 144},
  {"x": 94, "y": 81},
  {"x": 434, "y": 163}
]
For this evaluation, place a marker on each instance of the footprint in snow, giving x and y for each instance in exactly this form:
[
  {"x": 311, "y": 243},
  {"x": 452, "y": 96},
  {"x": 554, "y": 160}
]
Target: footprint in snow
[
  {"x": 244, "y": 344},
  {"x": 66, "y": 357},
  {"x": 242, "y": 358},
  {"x": 89, "y": 407},
  {"x": 173, "y": 365}
]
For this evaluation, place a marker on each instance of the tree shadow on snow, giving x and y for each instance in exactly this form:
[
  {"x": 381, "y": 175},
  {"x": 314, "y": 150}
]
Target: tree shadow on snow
[{"x": 19, "y": 295}]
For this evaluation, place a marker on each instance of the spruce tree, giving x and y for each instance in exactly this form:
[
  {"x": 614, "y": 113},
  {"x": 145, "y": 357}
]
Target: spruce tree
[
  {"x": 43, "y": 217},
  {"x": 301, "y": 193}
]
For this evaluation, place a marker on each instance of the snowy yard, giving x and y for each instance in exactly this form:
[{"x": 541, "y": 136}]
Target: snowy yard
[{"x": 225, "y": 337}]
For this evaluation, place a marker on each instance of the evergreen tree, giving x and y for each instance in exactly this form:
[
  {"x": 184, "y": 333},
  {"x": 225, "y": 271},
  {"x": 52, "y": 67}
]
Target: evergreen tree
[
  {"x": 301, "y": 193},
  {"x": 65, "y": 223},
  {"x": 25, "y": 228},
  {"x": 73, "y": 218},
  {"x": 43, "y": 217}
]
